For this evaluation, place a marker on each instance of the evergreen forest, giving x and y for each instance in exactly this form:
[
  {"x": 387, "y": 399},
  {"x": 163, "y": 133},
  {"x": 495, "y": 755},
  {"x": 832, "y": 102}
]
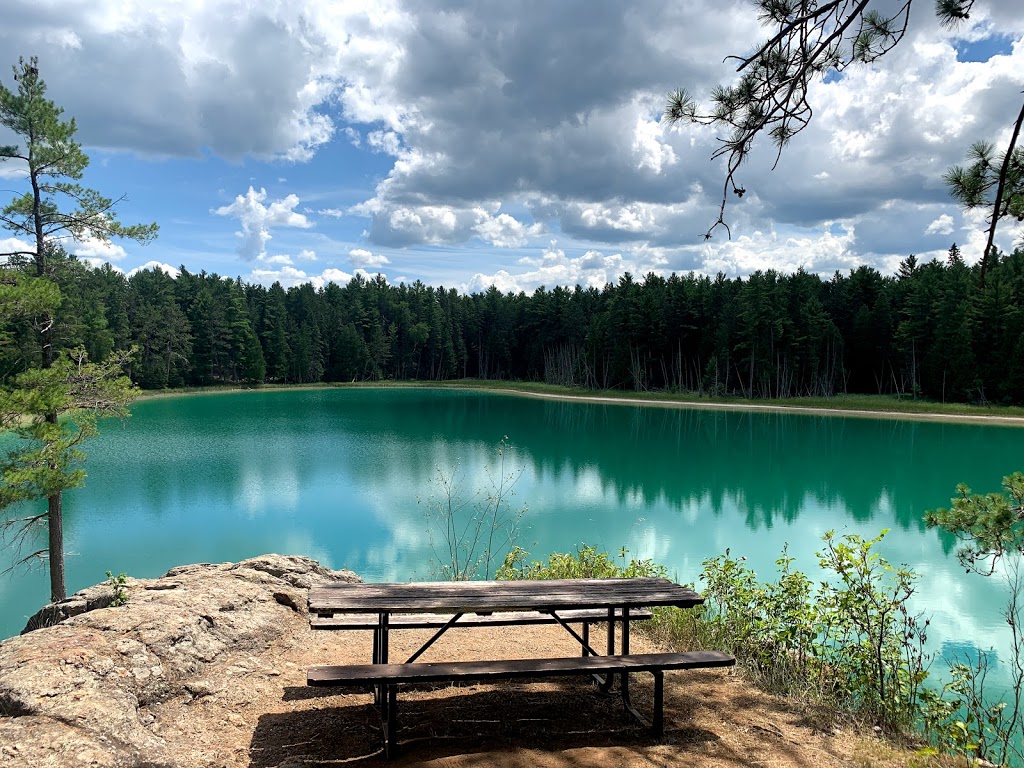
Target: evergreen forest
[{"x": 934, "y": 330}]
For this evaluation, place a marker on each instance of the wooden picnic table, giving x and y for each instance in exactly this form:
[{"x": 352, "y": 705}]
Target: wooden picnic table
[{"x": 470, "y": 602}]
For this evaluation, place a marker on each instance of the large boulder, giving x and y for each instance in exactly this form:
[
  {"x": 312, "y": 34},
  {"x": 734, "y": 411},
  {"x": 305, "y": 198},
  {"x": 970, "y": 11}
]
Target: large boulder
[{"x": 85, "y": 690}]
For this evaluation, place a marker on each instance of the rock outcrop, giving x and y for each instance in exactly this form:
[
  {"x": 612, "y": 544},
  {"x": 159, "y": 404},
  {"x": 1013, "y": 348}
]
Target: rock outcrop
[{"x": 89, "y": 689}]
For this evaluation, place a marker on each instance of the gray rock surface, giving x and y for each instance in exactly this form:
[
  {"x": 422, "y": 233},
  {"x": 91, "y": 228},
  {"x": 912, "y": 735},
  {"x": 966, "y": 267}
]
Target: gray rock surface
[{"x": 90, "y": 689}]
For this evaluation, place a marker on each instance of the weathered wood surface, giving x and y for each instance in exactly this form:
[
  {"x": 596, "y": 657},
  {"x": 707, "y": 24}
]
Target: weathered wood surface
[
  {"x": 427, "y": 672},
  {"x": 500, "y": 619},
  {"x": 483, "y": 596}
]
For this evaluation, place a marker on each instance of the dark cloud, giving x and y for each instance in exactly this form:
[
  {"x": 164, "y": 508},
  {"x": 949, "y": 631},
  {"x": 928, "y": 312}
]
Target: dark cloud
[
  {"x": 232, "y": 81},
  {"x": 548, "y": 109},
  {"x": 549, "y": 106},
  {"x": 521, "y": 98}
]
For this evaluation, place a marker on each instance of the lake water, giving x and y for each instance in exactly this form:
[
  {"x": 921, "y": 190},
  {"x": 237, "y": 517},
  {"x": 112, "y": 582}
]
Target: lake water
[{"x": 344, "y": 476}]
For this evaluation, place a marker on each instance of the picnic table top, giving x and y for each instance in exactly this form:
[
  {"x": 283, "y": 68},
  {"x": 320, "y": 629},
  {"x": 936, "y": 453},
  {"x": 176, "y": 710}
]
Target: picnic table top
[{"x": 486, "y": 596}]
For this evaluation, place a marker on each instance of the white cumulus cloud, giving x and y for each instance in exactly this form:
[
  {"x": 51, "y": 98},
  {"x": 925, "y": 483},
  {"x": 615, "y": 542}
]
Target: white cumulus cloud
[
  {"x": 505, "y": 231},
  {"x": 335, "y": 276},
  {"x": 385, "y": 141},
  {"x": 257, "y": 219},
  {"x": 280, "y": 258},
  {"x": 165, "y": 268},
  {"x": 649, "y": 148},
  {"x": 290, "y": 276},
  {"x": 97, "y": 251},
  {"x": 941, "y": 226},
  {"x": 592, "y": 269},
  {"x": 13, "y": 169},
  {"x": 364, "y": 259},
  {"x": 821, "y": 251},
  {"x": 14, "y": 245}
]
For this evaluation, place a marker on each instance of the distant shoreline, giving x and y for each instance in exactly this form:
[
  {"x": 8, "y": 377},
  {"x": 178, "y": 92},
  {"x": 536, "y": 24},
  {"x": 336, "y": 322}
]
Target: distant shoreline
[
  {"x": 710, "y": 405},
  {"x": 994, "y": 419}
]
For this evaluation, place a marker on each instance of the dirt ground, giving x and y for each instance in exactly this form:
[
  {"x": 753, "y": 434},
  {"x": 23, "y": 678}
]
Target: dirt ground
[{"x": 712, "y": 718}]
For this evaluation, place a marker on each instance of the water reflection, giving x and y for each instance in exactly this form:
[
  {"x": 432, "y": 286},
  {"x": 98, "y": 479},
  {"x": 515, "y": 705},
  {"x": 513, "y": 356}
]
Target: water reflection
[
  {"x": 966, "y": 652},
  {"x": 337, "y": 475}
]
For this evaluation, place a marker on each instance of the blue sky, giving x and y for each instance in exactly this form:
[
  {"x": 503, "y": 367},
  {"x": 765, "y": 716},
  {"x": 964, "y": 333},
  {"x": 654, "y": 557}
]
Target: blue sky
[{"x": 513, "y": 143}]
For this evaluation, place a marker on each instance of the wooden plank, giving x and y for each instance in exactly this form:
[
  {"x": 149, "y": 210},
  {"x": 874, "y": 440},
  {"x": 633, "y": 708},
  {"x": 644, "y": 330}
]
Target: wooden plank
[
  {"x": 610, "y": 588},
  {"x": 573, "y": 587},
  {"x": 423, "y": 672},
  {"x": 533, "y": 587},
  {"x": 481, "y": 596},
  {"x": 499, "y": 619}
]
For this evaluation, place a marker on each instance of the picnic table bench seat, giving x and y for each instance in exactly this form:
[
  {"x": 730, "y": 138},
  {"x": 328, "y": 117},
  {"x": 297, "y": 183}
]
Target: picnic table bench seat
[
  {"x": 393, "y": 675},
  {"x": 494, "y": 619}
]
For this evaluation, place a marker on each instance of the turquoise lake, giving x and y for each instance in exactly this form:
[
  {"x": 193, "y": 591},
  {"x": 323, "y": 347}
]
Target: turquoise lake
[{"x": 344, "y": 476}]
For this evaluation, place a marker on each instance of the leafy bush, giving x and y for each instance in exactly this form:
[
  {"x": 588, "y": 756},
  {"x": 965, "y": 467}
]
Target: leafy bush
[
  {"x": 769, "y": 626},
  {"x": 849, "y": 643},
  {"x": 990, "y": 528},
  {"x": 871, "y": 647},
  {"x": 586, "y": 563}
]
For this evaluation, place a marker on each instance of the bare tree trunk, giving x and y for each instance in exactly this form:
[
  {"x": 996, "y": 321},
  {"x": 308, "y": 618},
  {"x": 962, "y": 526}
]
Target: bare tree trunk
[
  {"x": 562, "y": 364},
  {"x": 55, "y": 519},
  {"x": 637, "y": 370},
  {"x": 750, "y": 379},
  {"x": 739, "y": 376},
  {"x": 913, "y": 369},
  {"x": 55, "y": 523}
]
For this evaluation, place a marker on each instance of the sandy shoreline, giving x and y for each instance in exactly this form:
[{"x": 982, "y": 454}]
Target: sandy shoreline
[
  {"x": 1016, "y": 421},
  {"x": 808, "y": 410}
]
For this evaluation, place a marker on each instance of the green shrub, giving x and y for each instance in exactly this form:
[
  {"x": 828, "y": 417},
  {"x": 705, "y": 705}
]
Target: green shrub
[
  {"x": 850, "y": 643},
  {"x": 117, "y": 584},
  {"x": 586, "y": 563}
]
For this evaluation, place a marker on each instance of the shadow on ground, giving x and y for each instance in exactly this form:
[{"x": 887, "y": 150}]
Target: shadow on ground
[{"x": 474, "y": 723}]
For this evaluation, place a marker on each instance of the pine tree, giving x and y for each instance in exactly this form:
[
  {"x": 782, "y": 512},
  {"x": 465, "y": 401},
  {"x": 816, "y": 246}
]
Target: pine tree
[{"x": 54, "y": 208}]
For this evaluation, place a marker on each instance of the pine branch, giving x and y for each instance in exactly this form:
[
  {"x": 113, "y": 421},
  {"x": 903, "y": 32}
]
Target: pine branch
[{"x": 996, "y": 211}]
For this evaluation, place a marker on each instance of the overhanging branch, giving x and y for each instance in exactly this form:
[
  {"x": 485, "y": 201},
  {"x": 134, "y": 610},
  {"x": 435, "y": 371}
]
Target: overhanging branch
[{"x": 1000, "y": 189}]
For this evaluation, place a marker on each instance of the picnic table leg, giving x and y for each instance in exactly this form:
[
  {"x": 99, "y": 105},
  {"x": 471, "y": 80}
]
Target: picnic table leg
[
  {"x": 389, "y": 721},
  {"x": 624, "y": 677},
  {"x": 380, "y": 656},
  {"x": 658, "y": 720},
  {"x": 609, "y": 679},
  {"x": 385, "y": 696},
  {"x": 624, "y": 684}
]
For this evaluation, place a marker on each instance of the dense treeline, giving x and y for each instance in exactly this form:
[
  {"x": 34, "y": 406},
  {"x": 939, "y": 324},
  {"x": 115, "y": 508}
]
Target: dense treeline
[{"x": 931, "y": 330}]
